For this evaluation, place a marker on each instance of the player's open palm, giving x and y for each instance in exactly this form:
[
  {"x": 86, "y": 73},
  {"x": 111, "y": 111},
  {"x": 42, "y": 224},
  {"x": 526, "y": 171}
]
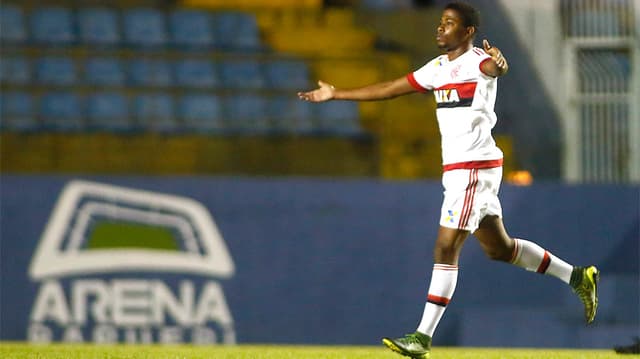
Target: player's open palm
[{"x": 323, "y": 93}]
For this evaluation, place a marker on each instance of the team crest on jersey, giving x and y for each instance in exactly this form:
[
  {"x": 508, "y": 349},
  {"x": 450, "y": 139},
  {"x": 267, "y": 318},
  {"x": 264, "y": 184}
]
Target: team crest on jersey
[{"x": 456, "y": 71}]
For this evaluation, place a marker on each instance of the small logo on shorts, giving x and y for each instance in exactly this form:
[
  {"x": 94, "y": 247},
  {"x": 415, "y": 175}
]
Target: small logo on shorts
[{"x": 451, "y": 217}]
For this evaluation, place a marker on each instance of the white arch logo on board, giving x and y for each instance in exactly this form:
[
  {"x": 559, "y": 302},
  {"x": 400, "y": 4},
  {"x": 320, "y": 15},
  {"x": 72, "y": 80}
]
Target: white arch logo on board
[{"x": 60, "y": 253}]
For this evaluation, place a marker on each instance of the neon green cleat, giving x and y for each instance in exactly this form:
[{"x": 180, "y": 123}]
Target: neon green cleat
[
  {"x": 415, "y": 345},
  {"x": 584, "y": 282}
]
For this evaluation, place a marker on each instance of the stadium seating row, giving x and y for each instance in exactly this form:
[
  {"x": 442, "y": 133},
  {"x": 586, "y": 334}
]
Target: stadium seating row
[
  {"x": 121, "y": 92},
  {"x": 287, "y": 74},
  {"x": 160, "y": 112},
  {"x": 137, "y": 27}
]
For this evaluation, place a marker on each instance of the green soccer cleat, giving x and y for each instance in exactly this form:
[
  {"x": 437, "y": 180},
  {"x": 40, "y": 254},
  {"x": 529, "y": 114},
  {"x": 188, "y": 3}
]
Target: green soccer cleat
[
  {"x": 584, "y": 282},
  {"x": 415, "y": 345}
]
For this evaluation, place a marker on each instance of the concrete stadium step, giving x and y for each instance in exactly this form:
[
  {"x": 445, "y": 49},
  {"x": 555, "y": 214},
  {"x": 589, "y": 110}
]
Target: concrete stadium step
[
  {"x": 345, "y": 73},
  {"x": 186, "y": 154},
  {"x": 320, "y": 41},
  {"x": 294, "y": 18}
]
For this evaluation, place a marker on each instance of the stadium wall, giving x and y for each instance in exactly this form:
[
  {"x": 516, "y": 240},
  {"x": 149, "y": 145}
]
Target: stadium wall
[{"x": 298, "y": 261}]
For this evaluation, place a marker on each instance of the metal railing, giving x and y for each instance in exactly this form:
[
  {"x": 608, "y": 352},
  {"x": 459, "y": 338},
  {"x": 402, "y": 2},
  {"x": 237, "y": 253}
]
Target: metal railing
[{"x": 602, "y": 132}]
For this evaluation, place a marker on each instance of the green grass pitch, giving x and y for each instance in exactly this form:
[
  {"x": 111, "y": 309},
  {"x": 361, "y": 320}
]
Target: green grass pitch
[{"x": 89, "y": 351}]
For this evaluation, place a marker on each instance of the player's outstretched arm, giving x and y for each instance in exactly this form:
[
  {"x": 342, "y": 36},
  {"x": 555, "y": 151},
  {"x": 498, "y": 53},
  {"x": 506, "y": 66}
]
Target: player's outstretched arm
[
  {"x": 379, "y": 91},
  {"x": 498, "y": 65}
]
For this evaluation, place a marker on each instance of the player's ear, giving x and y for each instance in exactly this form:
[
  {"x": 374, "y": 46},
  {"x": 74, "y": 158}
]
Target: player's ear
[{"x": 471, "y": 31}]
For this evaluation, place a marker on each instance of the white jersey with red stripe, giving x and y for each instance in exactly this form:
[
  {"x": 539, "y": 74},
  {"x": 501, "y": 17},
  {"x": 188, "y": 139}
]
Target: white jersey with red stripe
[{"x": 465, "y": 98}]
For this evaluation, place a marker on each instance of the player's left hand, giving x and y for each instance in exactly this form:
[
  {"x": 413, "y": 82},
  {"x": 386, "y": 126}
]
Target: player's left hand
[
  {"x": 495, "y": 54},
  {"x": 324, "y": 92}
]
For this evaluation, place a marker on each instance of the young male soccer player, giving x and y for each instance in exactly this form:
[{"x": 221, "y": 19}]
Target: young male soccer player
[{"x": 463, "y": 81}]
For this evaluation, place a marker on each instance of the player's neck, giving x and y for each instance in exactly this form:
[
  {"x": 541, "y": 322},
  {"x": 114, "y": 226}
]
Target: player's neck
[{"x": 458, "y": 51}]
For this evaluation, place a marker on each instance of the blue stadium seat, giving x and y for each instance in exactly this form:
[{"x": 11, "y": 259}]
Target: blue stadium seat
[
  {"x": 196, "y": 74},
  {"x": 244, "y": 74},
  {"x": 201, "y": 113},
  {"x": 59, "y": 71},
  {"x": 287, "y": 74},
  {"x": 147, "y": 72},
  {"x": 386, "y": 5},
  {"x": 52, "y": 25},
  {"x": 338, "y": 118},
  {"x": 98, "y": 26},
  {"x": 145, "y": 27},
  {"x": 12, "y": 28},
  {"x": 102, "y": 71},
  {"x": 247, "y": 114},
  {"x": 191, "y": 29},
  {"x": 15, "y": 70},
  {"x": 108, "y": 111},
  {"x": 290, "y": 115},
  {"x": 17, "y": 112},
  {"x": 237, "y": 31},
  {"x": 155, "y": 112},
  {"x": 61, "y": 111}
]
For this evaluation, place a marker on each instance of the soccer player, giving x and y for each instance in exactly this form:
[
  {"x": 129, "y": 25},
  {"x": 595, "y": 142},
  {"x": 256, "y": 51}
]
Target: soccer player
[{"x": 463, "y": 81}]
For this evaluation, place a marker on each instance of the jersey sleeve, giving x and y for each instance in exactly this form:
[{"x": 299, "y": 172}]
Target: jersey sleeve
[
  {"x": 422, "y": 78},
  {"x": 482, "y": 57}
]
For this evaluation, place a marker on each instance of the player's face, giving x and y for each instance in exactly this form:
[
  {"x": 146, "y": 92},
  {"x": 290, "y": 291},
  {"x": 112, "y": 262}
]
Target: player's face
[{"x": 451, "y": 32}]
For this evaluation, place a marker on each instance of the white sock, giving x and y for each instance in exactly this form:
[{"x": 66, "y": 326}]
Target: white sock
[
  {"x": 532, "y": 257},
  {"x": 443, "y": 283}
]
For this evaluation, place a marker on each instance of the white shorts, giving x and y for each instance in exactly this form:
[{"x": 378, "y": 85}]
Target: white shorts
[{"x": 469, "y": 196}]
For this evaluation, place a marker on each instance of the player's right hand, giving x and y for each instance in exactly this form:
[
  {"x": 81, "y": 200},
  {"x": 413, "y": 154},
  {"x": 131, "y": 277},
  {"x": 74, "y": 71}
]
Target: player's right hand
[{"x": 324, "y": 92}]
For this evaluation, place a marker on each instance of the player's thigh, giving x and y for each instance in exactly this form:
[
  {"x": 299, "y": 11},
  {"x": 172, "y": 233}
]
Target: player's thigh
[{"x": 451, "y": 237}]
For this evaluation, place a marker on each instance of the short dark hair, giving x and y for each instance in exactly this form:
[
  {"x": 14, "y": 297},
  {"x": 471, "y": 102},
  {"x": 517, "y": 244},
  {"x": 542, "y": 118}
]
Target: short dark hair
[{"x": 470, "y": 16}]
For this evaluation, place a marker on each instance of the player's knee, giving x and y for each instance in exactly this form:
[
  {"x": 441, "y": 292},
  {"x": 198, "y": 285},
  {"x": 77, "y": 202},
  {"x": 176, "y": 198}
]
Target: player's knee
[{"x": 445, "y": 253}]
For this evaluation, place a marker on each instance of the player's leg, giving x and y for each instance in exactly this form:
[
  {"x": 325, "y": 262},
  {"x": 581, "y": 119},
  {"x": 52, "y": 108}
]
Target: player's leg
[
  {"x": 444, "y": 277},
  {"x": 443, "y": 283},
  {"x": 498, "y": 245},
  {"x": 455, "y": 226}
]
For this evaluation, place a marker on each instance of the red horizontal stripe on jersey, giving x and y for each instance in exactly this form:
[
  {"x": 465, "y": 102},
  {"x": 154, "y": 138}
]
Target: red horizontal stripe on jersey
[
  {"x": 441, "y": 301},
  {"x": 465, "y": 89},
  {"x": 412, "y": 80},
  {"x": 473, "y": 165}
]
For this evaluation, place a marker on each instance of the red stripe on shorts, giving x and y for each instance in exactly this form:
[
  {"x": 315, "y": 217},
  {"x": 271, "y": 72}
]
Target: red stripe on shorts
[{"x": 468, "y": 199}]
